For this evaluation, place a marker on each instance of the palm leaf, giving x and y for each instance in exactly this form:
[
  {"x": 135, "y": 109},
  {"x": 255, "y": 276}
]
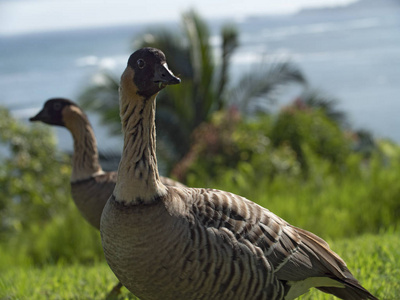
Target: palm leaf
[
  {"x": 229, "y": 44},
  {"x": 202, "y": 61},
  {"x": 261, "y": 85},
  {"x": 102, "y": 97},
  {"x": 319, "y": 100}
]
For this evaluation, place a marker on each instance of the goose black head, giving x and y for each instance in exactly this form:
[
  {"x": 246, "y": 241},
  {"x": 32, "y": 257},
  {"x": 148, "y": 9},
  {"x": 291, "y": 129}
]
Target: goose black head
[
  {"x": 150, "y": 71},
  {"x": 51, "y": 112}
]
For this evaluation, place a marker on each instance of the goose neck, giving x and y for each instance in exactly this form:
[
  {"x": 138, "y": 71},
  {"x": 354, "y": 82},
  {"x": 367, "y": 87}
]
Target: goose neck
[
  {"x": 85, "y": 159},
  {"x": 138, "y": 179}
]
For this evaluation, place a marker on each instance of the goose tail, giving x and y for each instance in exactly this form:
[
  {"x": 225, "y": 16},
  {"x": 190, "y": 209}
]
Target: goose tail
[{"x": 352, "y": 289}]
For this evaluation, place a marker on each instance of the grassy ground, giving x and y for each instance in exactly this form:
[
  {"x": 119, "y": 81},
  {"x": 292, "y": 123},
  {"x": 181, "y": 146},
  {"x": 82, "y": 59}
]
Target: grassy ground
[
  {"x": 60, "y": 282},
  {"x": 373, "y": 259}
]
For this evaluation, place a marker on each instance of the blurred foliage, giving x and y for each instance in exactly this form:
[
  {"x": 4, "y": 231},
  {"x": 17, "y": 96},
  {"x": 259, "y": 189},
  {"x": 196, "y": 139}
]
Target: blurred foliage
[
  {"x": 304, "y": 126},
  {"x": 29, "y": 177},
  {"x": 316, "y": 99},
  {"x": 102, "y": 96},
  {"x": 206, "y": 84},
  {"x": 39, "y": 222},
  {"x": 271, "y": 144}
]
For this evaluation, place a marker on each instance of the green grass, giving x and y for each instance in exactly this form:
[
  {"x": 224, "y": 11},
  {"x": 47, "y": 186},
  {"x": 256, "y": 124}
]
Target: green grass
[
  {"x": 373, "y": 259},
  {"x": 60, "y": 282}
]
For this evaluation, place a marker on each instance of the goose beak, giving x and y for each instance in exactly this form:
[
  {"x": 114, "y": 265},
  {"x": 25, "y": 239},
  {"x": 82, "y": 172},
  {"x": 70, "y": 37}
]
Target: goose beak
[
  {"x": 163, "y": 76},
  {"x": 41, "y": 116}
]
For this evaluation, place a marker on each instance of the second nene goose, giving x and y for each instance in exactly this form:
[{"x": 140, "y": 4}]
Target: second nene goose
[
  {"x": 90, "y": 185},
  {"x": 190, "y": 243}
]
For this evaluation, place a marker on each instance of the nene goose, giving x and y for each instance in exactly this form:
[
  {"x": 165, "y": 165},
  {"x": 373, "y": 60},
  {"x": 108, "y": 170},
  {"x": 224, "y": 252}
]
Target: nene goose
[
  {"x": 166, "y": 242},
  {"x": 90, "y": 185}
]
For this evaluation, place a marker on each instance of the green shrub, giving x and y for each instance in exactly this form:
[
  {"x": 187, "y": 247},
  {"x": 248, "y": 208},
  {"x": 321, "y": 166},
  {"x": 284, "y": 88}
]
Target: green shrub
[
  {"x": 33, "y": 175},
  {"x": 311, "y": 128}
]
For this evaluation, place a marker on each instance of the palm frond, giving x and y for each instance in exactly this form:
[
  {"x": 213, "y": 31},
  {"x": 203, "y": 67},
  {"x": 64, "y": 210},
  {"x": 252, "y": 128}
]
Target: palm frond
[
  {"x": 230, "y": 42},
  {"x": 202, "y": 60},
  {"x": 101, "y": 96},
  {"x": 319, "y": 100},
  {"x": 262, "y": 84},
  {"x": 173, "y": 134}
]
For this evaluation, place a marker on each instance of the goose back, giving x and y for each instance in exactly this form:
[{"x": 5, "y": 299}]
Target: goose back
[{"x": 91, "y": 195}]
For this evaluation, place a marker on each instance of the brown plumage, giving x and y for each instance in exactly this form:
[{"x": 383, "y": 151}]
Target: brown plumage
[
  {"x": 90, "y": 185},
  {"x": 191, "y": 243}
]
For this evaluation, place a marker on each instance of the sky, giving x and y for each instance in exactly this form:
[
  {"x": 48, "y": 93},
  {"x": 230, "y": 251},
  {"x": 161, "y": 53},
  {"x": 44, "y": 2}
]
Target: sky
[{"x": 26, "y": 16}]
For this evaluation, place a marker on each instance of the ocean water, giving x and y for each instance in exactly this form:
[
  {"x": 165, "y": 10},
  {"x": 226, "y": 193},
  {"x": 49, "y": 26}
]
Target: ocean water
[{"x": 352, "y": 54}]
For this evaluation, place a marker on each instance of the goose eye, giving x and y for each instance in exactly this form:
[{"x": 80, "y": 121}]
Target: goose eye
[
  {"x": 141, "y": 63},
  {"x": 57, "y": 106}
]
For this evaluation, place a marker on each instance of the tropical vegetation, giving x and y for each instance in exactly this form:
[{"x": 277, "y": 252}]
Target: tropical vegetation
[{"x": 206, "y": 85}]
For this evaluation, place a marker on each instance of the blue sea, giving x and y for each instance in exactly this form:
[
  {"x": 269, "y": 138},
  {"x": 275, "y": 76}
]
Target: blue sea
[{"x": 352, "y": 54}]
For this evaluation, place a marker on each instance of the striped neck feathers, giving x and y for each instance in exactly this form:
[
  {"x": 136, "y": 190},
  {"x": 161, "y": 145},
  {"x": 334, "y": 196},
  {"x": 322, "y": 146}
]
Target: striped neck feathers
[
  {"x": 138, "y": 180},
  {"x": 85, "y": 160}
]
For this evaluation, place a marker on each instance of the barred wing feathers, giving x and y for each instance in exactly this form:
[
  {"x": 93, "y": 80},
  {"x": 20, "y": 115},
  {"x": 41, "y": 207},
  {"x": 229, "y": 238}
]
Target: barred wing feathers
[{"x": 294, "y": 259}]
